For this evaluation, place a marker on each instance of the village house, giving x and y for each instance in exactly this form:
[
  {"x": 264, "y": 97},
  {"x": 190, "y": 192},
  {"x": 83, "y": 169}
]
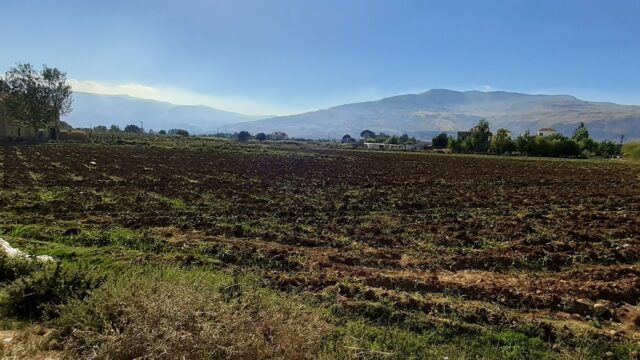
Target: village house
[
  {"x": 546, "y": 132},
  {"x": 11, "y": 131}
]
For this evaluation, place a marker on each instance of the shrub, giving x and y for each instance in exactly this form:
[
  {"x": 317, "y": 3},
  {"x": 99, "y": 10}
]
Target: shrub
[
  {"x": 35, "y": 295},
  {"x": 171, "y": 314},
  {"x": 12, "y": 268}
]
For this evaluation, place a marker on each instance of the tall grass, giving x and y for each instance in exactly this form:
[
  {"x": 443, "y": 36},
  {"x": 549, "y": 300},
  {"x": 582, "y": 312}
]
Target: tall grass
[
  {"x": 166, "y": 313},
  {"x": 631, "y": 150}
]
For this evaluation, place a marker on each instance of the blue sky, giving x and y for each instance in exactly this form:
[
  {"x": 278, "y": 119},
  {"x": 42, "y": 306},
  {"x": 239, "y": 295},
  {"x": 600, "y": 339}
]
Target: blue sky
[{"x": 280, "y": 57}]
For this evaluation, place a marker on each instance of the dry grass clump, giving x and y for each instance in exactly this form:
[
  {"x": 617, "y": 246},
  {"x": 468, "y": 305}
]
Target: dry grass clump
[
  {"x": 32, "y": 342},
  {"x": 173, "y": 318}
]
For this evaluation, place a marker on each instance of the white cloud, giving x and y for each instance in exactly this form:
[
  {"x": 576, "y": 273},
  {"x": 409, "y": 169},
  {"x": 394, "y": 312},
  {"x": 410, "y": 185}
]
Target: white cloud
[{"x": 184, "y": 97}]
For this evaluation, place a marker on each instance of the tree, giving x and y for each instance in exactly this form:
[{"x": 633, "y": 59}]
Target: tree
[
  {"x": 347, "y": 139},
  {"x": 441, "y": 140},
  {"x": 367, "y": 134},
  {"x": 179, "y": 132},
  {"x": 581, "y": 133},
  {"x": 478, "y": 140},
  {"x": 25, "y": 101},
  {"x": 455, "y": 145},
  {"x": 100, "y": 128},
  {"x": 58, "y": 95},
  {"x": 114, "y": 128},
  {"x": 65, "y": 125},
  {"x": 36, "y": 99},
  {"x": 501, "y": 143},
  {"x": 162, "y": 132},
  {"x": 243, "y": 136},
  {"x": 261, "y": 136},
  {"x": 133, "y": 129},
  {"x": 392, "y": 140}
]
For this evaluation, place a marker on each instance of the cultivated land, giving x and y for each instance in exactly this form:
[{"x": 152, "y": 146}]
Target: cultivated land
[{"x": 384, "y": 255}]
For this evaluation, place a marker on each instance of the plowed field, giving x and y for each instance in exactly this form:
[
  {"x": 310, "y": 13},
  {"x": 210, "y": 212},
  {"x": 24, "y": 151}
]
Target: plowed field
[{"x": 485, "y": 240}]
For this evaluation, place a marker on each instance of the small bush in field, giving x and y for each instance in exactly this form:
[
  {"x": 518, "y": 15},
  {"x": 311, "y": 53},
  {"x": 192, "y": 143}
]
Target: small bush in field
[
  {"x": 12, "y": 268},
  {"x": 30, "y": 297}
]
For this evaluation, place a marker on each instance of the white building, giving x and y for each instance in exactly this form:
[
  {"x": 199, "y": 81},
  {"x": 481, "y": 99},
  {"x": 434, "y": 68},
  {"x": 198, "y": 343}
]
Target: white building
[{"x": 546, "y": 132}]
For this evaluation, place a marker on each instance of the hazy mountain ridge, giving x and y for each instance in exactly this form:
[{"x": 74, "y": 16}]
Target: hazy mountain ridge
[
  {"x": 445, "y": 110},
  {"x": 94, "y": 109}
]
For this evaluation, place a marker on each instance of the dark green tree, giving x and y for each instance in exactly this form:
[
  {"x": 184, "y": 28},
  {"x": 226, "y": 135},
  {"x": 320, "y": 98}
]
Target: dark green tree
[
  {"x": 261, "y": 137},
  {"x": 440, "y": 141},
  {"x": 367, "y": 134},
  {"x": 133, "y": 129},
  {"x": 347, "y": 139},
  {"x": 244, "y": 136}
]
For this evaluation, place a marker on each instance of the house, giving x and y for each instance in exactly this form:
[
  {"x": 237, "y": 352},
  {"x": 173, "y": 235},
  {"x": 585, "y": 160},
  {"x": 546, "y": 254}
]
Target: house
[
  {"x": 374, "y": 146},
  {"x": 546, "y": 132},
  {"x": 11, "y": 131}
]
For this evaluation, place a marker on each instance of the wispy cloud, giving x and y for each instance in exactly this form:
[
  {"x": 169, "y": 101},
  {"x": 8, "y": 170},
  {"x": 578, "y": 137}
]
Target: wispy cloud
[{"x": 184, "y": 97}]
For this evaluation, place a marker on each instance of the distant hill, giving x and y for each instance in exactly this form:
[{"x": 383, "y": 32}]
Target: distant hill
[
  {"x": 93, "y": 109},
  {"x": 424, "y": 115}
]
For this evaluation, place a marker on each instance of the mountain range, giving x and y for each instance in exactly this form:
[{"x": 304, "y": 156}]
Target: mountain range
[
  {"x": 94, "y": 109},
  {"x": 422, "y": 115}
]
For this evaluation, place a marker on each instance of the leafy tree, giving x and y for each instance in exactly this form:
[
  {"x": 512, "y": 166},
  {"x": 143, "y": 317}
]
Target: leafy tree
[
  {"x": 100, "y": 128},
  {"x": 608, "y": 148},
  {"x": 114, "y": 128},
  {"x": 455, "y": 145},
  {"x": 581, "y": 133},
  {"x": 392, "y": 140},
  {"x": 347, "y": 139},
  {"x": 403, "y": 139},
  {"x": 162, "y": 132},
  {"x": 4, "y": 91},
  {"x": 501, "y": 143},
  {"x": 261, "y": 137},
  {"x": 367, "y": 134},
  {"x": 36, "y": 99},
  {"x": 57, "y": 94},
  {"x": 440, "y": 141},
  {"x": 179, "y": 132},
  {"x": 133, "y": 129},
  {"x": 478, "y": 140},
  {"x": 244, "y": 136}
]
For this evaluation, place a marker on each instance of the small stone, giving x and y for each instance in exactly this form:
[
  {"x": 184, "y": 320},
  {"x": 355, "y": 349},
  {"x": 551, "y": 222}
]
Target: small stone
[{"x": 609, "y": 354}]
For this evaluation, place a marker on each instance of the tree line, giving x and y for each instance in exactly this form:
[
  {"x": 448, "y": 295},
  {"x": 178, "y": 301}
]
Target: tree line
[{"x": 480, "y": 139}]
